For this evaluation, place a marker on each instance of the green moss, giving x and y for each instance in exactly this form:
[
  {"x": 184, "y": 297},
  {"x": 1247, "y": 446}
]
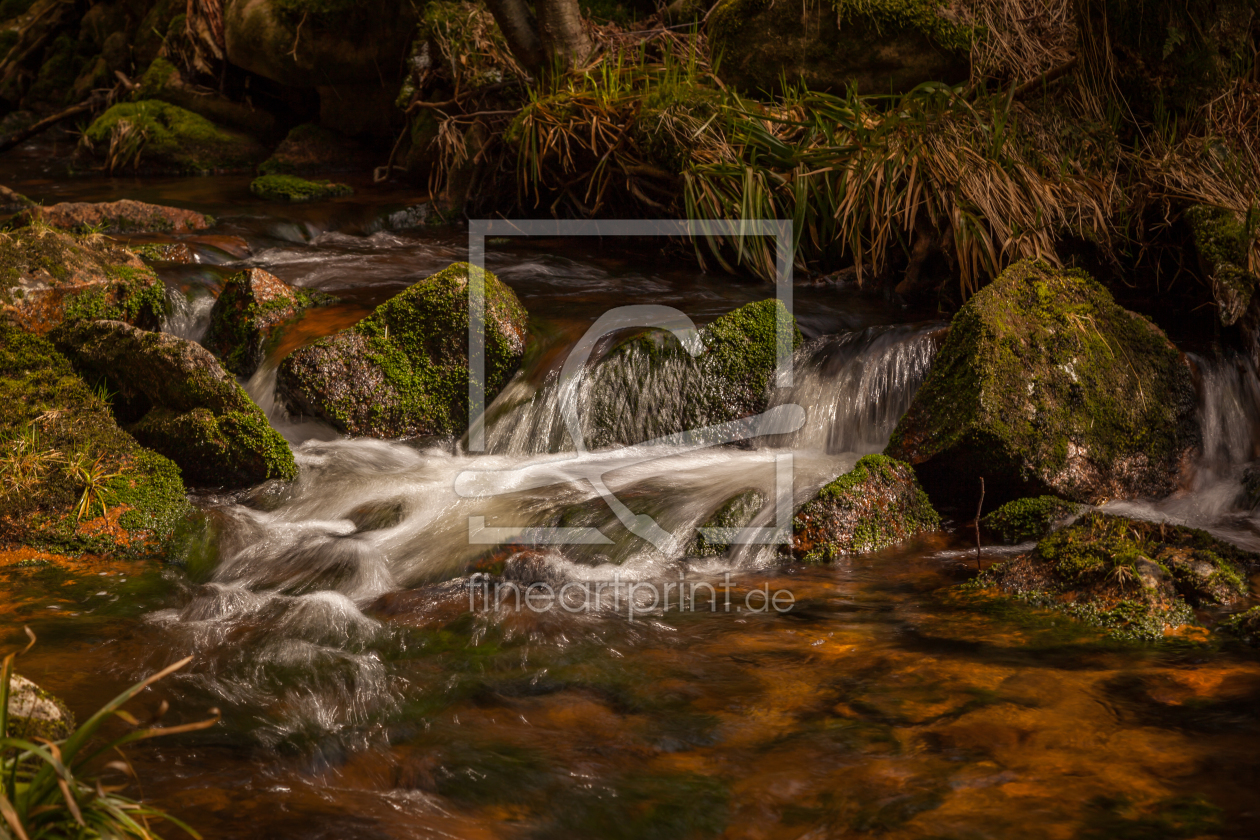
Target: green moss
[
  {"x": 923, "y": 16},
  {"x": 736, "y": 512},
  {"x": 232, "y": 449},
  {"x": 1028, "y": 519},
  {"x": 292, "y": 188},
  {"x": 875, "y": 505},
  {"x": 175, "y": 139},
  {"x": 1222, "y": 239},
  {"x": 156, "y": 77},
  {"x": 45, "y": 399},
  {"x": 58, "y": 70},
  {"x": 1245, "y": 625},
  {"x": 138, "y": 298},
  {"x": 1040, "y": 364}
]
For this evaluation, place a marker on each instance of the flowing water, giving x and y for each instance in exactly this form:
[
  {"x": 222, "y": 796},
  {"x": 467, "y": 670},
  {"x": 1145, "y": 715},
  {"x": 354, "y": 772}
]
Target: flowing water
[{"x": 373, "y": 684}]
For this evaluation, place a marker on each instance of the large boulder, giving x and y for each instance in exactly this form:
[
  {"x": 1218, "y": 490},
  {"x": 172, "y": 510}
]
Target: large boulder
[
  {"x": 1045, "y": 385},
  {"x": 75, "y": 481},
  {"x": 157, "y": 137},
  {"x": 47, "y": 277},
  {"x": 403, "y": 370},
  {"x": 875, "y": 505},
  {"x": 1138, "y": 580},
  {"x": 883, "y": 46},
  {"x": 312, "y": 43},
  {"x": 251, "y": 306},
  {"x": 173, "y": 396},
  {"x": 125, "y": 216},
  {"x": 164, "y": 81}
]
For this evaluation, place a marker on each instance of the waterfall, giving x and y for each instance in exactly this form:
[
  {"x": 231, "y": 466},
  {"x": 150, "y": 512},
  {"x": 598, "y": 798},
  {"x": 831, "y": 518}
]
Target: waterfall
[{"x": 188, "y": 313}]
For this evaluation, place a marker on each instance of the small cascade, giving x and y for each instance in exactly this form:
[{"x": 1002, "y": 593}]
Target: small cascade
[{"x": 188, "y": 313}]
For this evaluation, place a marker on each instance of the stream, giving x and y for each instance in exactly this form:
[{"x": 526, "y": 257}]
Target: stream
[{"x": 370, "y": 688}]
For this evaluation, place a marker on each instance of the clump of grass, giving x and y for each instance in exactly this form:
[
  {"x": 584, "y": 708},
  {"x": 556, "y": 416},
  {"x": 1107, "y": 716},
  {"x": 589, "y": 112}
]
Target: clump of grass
[
  {"x": 49, "y": 789},
  {"x": 94, "y": 477}
]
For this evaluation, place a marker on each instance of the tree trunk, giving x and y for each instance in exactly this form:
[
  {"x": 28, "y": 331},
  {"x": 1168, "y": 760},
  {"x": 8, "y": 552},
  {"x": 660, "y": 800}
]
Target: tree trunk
[
  {"x": 563, "y": 36},
  {"x": 517, "y": 24}
]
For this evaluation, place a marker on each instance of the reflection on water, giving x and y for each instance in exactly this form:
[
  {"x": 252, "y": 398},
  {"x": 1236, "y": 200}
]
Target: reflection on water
[{"x": 363, "y": 697}]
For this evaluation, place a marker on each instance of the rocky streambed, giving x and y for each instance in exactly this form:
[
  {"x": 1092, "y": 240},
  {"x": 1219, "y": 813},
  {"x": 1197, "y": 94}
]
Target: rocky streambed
[{"x": 245, "y": 438}]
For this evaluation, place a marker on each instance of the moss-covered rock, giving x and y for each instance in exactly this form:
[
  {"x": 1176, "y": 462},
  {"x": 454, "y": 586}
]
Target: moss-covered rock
[
  {"x": 1221, "y": 240},
  {"x": 736, "y": 512},
  {"x": 125, "y": 216},
  {"x": 1137, "y": 579},
  {"x": 173, "y": 395},
  {"x": 1028, "y": 519},
  {"x": 403, "y": 370},
  {"x": 13, "y": 202},
  {"x": 730, "y": 379},
  {"x": 250, "y": 307},
  {"x": 157, "y": 137},
  {"x": 313, "y": 148},
  {"x": 1045, "y": 386},
  {"x": 881, "y": 46},
  {"x": 876, "y": 504},
  {"x": 163, "y": 81},
  {"x": 293, "y": 188},
  {"x": 34, "y": 713},
  {"x": 73, "y": 481},
  {"x": 1245, "y": 625},
  {"x": 47, "y": 277}
]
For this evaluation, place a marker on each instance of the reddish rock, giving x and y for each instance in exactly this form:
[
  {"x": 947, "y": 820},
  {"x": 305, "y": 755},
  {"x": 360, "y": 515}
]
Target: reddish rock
[
  {"x": 252, "y": 304},
  {"x": 119, "y": 216}
]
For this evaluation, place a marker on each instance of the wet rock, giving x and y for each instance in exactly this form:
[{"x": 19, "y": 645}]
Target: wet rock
[
  {"x": 1045, "y": 386},
  {"x": 875, "y": 505},
  {"x": 1028, "y": 519},
  {"x": 1245, "y": 625},
  {"x": 1137, "y": 579},
  {"x": 157, "y": 137},
  {"x": 403, "y": 370},
  {"x": 312, "y": 148},
  {"x": 173, "y": 396},
  {"x": 294, "y": 189},
  {"x": 13, "y": 202},
  {"x": 47, "y": 277},
  {"x": 251, "y": 306},
  {"x": 77, "y": 482},
  {"x": 34, "y": 713},
  {"x": 884, "y": 46},
  {"x": 124, "y": 216},
  {"x": 1251, "y": 487},
  {"x": 1221, "y": 240},
  {"x": 731, "y": 379},
  {"x": 736, "y": 512},
  {"x": 173, "y": 253},
  {"x": 163, "y": 81}
]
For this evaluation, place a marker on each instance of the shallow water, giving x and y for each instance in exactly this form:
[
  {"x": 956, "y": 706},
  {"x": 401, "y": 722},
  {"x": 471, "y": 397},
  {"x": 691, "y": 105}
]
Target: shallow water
[{"x": 369, "y": 688}]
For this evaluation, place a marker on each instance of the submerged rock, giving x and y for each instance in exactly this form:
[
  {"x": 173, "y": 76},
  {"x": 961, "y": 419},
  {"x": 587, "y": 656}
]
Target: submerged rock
[
  {"x": 295, "y": 189},
  {"x": 1045, "y": 386},
  {"x": 1137, "y": 579},
  {"x": 883, "y": 46},
  {"x": 155, "y": 136},
  {"x": 875, "y": 505},
  {"x": 403, "y": 370},
  {"x": 737, "y": 512},
  {"x": 250, "y": 307},
  {"x": 174, "y": 396},
  {"x": 34, "y": 713},
  {"x": 75, "y": 481},
  {"x": 1221, "y": 240},
  {"x": 1028, "y": 519},
  {"x": 47, "y": 277},
  {"x": 119, "y": 217}
]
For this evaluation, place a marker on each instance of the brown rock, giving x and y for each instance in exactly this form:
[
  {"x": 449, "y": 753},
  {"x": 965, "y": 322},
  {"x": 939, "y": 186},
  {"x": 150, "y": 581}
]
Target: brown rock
[{"x": 119, "y": 216}]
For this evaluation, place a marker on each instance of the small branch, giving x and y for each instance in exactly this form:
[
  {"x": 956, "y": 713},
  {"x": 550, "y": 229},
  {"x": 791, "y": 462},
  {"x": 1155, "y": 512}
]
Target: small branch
[
  {"x": 1033, "y": 85},
  {"x": 979, "y": 507},
  {"x": 19, "y": 137},
  {"x": 460, "y": 98}
]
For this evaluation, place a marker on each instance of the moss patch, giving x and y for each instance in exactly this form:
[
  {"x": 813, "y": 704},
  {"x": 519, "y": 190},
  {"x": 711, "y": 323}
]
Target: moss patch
[
  {"x": 294, "y": 189},
  {"x": 52, "y": 420},
  {"x": 1137, "y": 579},
  {"x": 403, "y": 370},
  {"x": 1222, "y": 239},
  {"x": 1045, "y": 385},
  {"x": 876, "y": 504},
  {"x": 1028, "y": 519},
  {"x": 165, "y": 137},
  {"x": 252, "y": 305}
]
